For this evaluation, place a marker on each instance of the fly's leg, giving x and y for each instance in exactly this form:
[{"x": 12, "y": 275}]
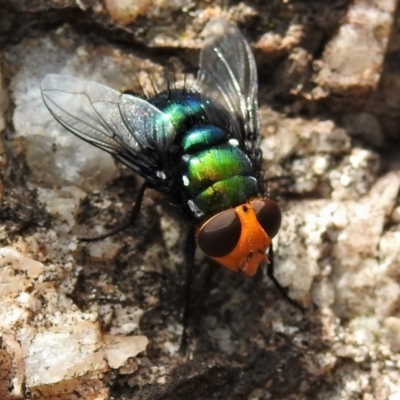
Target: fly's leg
[
  {"x": 131, "y": 220},
  {"x": 189, "y": 261},
  {"x": 270, "y": 273}
]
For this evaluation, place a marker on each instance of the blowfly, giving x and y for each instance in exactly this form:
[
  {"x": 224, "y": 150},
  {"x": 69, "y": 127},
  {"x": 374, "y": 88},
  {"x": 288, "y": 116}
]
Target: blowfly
[{"x": 199, "y": 146}]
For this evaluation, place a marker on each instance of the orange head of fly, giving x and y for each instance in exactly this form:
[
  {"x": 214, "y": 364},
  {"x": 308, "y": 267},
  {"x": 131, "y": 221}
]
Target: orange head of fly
[{"x": 238, "y": 238}]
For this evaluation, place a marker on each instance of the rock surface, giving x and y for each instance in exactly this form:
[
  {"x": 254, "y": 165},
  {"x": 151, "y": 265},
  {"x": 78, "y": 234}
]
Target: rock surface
[{"x": 101, "y": 320}]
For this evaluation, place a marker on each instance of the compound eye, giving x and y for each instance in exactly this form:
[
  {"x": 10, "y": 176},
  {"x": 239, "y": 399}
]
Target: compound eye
[
  {"x": 268, "y": 215},
  {"x": 220, "y": 234}
]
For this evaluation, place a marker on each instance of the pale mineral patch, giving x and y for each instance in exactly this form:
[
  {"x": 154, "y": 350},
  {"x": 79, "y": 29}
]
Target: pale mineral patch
[
  {"x": 118, "y": 349},
  {"x": 126, "y": 320},
  {"x": 355, "y": 175},
  {"x": 353, "y": 60},
  {"x": 63, "y": 353},
  {"x": 351, "y": 261},
  {"x": 296, "y": 264},
  {"x": 272, "y": 42},
  {"x": 63, "y": 202},
  {"x": 392, "y": 332},
  {"x": 323, "y": 293},
  {"x": 56, "y": 350},
  {"x": 365, "y": 330},
  {"x": 126, "y": 11},
  {"x": 302, "y": 137},
  {"x": 54, "y": 155},
  {"x": 389, "y": 252},
  {"x": 106, "y": 249},
  {"x": 362, "y": 285},
  {"x": 17, "y": 272}
]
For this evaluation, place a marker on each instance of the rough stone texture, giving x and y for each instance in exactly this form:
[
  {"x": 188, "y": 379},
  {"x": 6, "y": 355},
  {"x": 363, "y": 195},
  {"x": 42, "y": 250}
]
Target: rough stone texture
[{"x": 75, "y": 317}]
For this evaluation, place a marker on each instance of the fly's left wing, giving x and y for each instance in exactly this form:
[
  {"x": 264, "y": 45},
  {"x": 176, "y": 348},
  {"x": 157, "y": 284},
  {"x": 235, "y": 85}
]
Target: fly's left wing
[
  {"x": 129, "y": 128},
  {"x": 228, "y": 76}
]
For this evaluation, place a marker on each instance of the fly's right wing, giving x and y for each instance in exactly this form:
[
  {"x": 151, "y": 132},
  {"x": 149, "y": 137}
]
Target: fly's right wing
[
  {"x": 228, "y": 76},
  {"x": 129, "y": 128}
]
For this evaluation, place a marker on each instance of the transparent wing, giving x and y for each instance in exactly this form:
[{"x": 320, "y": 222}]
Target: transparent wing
[
  {"x": 228, "y": 75},
  {"x": 129, "y": 128}
]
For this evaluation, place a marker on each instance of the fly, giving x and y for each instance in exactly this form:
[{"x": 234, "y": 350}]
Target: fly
[{"x": 200, "y": 147}]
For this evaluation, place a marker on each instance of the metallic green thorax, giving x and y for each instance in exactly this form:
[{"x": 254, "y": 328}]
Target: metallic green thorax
[{"x": 215, "y": 172}]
